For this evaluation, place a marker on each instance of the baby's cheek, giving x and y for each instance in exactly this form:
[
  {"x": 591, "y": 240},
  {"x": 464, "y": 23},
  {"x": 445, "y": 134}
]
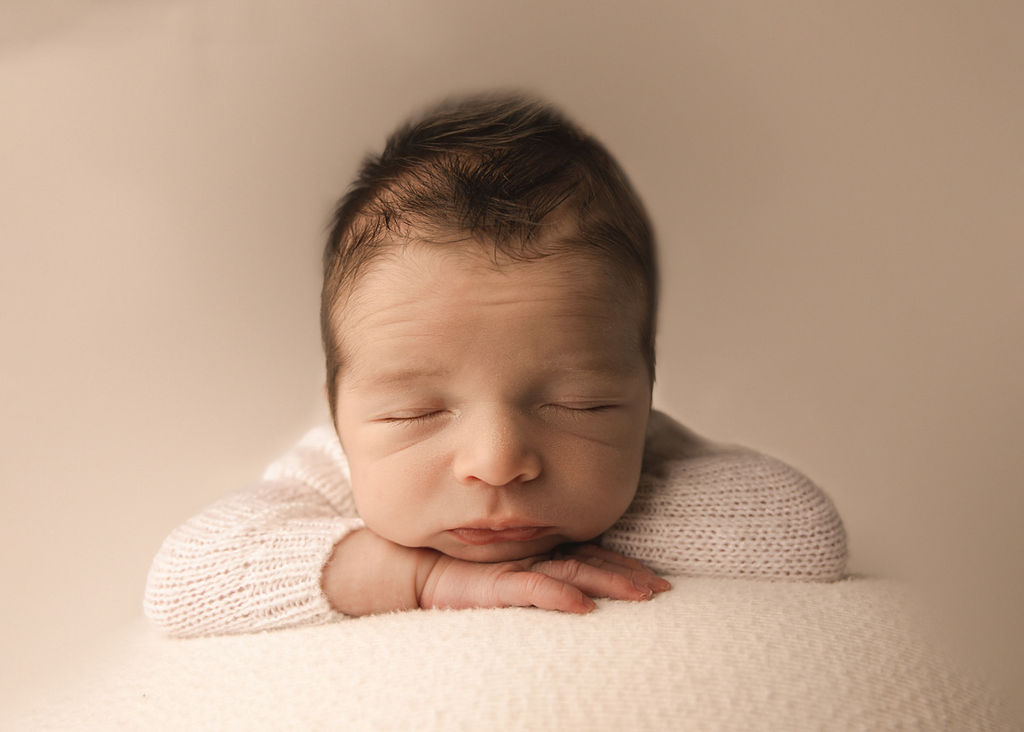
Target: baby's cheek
[
  {"x": 613, "y": 498},
  {"x": 393, "y": 506},
  {"x": 373, "y": 501}
]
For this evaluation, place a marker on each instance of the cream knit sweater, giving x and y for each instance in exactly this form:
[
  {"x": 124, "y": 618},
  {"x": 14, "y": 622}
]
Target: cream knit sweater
[{"x": 253, "y": 560}]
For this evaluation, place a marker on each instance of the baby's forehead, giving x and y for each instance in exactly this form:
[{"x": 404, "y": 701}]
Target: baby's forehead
[
  {"x": 417, "y": 287},
  {"x": 424, "y": 277}
]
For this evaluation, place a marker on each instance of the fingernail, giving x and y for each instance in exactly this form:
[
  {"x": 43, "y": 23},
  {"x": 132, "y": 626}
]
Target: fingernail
[
  {"x": 647, "y": 592},
  {"x": 654, "y": 584}
]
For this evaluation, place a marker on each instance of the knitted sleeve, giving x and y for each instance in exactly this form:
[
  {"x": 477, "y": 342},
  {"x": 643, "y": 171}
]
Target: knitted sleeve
[
  {"x": 725, "y": 511},
  {"x": 253, "y": 560}
]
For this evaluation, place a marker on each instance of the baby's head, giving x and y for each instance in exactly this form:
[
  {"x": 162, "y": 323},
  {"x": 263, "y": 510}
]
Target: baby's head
[{"x": 488, "y": 316}]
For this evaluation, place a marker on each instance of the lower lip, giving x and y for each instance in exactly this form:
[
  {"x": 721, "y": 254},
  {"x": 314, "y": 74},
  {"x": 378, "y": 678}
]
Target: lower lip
[{"x": 478, "y": 537}]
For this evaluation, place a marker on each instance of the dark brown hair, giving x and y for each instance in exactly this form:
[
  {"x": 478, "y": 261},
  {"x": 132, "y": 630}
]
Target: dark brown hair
[{"x": 500, "y": 170}]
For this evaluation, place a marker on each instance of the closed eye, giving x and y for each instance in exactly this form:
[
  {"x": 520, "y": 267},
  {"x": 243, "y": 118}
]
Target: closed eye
[
  {"x": 411, "y": 417},
  {"x": 584, "y": 408}
]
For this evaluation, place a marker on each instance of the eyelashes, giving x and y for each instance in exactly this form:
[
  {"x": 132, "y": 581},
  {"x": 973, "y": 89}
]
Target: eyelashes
[
  {"x": 572, "y": 410},
  {"x": 582, "y": 412},
  {"x": 412, "y": 418}
]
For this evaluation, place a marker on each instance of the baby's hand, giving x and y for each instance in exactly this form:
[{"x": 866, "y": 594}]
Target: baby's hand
[{"x": 563, "y": 580}]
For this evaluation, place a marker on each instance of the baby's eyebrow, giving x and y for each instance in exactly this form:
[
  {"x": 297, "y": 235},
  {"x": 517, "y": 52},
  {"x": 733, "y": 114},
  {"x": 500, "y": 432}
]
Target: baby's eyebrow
[
  {"x": 603, "y": 367},
  {"x": 398, "y": 377},
  {"x": 403, "y": 377}
]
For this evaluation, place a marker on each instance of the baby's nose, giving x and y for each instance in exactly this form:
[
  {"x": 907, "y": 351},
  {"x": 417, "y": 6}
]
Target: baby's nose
[{"x": 495, "y": 449}]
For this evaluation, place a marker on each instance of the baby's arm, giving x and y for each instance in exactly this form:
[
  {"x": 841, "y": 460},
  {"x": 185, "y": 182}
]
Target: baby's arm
[
  {"x": 252, "y": 561},
  {"x": 725, "y": 511}
]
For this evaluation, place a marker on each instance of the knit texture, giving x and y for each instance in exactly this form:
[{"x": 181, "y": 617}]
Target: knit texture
[
  {"x": 253, "y": 560},
  {"x": 726, "y": 511}
]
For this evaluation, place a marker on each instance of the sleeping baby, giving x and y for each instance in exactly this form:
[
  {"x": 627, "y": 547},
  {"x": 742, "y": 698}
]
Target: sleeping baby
[{"x": 488, "y": 314}]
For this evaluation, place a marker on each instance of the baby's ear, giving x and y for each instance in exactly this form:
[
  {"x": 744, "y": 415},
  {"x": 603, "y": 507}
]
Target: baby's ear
[{"x": 326, "y": 394}]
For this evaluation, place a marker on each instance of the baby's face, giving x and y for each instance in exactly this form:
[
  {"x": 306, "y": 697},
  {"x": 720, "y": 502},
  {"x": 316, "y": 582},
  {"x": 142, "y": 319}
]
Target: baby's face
[{"x": 491, "y": 413}]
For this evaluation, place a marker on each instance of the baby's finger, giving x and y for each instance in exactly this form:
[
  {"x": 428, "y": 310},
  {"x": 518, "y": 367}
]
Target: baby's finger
[
  {"x": 594, "y": 550},
  {"x": 595, "y": 581},
  {"x": 518, "y": 589},
  {"x": 607, "y": 559}
]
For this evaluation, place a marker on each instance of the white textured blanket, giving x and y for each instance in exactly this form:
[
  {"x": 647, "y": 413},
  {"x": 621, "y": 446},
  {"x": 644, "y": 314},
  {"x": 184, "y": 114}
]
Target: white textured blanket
[{"x": 709, "y": 655}]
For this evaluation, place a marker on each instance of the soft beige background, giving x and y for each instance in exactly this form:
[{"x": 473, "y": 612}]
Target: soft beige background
[{"x": 838, "y": 190}]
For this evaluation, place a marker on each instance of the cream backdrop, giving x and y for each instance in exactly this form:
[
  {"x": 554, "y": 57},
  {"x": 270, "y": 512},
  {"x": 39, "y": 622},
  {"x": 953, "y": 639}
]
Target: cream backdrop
[{"x": 837, "y": 188}]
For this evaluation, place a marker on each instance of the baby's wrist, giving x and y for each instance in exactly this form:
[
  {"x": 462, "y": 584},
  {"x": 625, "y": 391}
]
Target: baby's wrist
[
  {"x": 368, "y": 574},
  {"x": 430, "y": 568}
]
